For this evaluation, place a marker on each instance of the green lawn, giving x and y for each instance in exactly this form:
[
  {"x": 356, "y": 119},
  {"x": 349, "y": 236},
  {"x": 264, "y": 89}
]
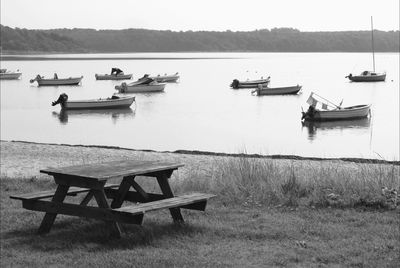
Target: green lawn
[{"x": 239, "y": 234}]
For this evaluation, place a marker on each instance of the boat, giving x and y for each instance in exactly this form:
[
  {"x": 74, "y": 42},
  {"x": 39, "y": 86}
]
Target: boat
[
  {"x": 142, "y": 85},
  {"x": 321, "y": 109},
  {"x": 266, "y": 90},
  {"x": 9, "y": 75},
  {"x": 369, "y": 76},
  {"x": 166, "y": 78},
  {"x": 116, "y": 74},
  {"x": 108, "y": 103},
  {"x": 56, "y": 81},
  {"x": 250, "y": 83}
]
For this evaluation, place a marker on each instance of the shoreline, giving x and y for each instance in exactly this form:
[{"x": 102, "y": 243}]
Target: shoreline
[{"x": 220, "y": 154}]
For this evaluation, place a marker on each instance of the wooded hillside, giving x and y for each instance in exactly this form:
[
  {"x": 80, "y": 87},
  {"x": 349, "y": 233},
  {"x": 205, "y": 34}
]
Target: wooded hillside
[{"x": 141, "y": 40}]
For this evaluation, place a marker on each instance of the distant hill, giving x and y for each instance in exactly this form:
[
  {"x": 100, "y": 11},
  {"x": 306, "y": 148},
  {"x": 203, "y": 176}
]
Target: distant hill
[{"x": 141, "y": 40}]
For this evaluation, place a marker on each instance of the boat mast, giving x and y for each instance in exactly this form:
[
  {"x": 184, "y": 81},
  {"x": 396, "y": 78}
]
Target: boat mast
[{"x": 373, "y": 50}]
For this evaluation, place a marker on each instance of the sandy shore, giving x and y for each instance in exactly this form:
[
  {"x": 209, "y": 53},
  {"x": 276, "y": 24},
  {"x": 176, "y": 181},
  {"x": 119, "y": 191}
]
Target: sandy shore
[{"x": 25, "y": 159}]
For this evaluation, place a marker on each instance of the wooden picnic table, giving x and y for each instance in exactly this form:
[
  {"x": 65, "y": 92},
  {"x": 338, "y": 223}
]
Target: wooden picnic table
[{"x": 92, "y": 180}]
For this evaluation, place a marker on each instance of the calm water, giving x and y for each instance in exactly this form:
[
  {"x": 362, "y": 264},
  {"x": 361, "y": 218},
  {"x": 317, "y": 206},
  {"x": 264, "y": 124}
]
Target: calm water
[{"x": 201, "y": 112}]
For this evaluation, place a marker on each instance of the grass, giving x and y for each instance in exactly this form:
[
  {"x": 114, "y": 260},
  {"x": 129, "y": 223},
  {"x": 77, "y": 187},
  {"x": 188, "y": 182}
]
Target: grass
[{"x": 267, "y": 213}]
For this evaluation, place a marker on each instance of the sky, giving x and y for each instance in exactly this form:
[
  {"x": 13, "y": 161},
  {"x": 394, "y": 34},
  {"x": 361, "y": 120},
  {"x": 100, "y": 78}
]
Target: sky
[{"x": 207, "y": 15}]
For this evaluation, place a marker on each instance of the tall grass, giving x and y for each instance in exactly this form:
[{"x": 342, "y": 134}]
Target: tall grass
[{"x": 260, "y": 181}]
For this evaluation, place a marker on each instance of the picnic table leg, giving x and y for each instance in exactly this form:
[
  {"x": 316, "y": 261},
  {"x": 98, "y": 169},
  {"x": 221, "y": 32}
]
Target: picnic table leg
[
  {"x": 167, "y": 192},
  {"x": 122, "y": 190},
  {"x": 102, "y": 202},
  {"x": 49, "y": 218}
]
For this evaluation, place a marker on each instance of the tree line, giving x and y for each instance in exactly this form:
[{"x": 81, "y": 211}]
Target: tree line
[{"x": 142, "y": 40}]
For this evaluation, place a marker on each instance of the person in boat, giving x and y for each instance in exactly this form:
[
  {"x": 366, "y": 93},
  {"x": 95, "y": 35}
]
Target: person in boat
[{"x": 55, "y": 76}]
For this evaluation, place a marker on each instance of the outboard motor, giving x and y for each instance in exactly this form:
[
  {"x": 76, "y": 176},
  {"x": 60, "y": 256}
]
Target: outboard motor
[
  {"x": 37, "y": 78},
  {"x": 62, "y": 99},
  {"x": 235, "y": 83},
  {"x": 349, "y": 76}
]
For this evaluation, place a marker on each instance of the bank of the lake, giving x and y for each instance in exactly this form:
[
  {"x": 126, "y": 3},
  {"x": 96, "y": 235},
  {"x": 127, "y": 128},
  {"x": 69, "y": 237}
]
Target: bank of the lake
[{"x": 303, "y": 213}]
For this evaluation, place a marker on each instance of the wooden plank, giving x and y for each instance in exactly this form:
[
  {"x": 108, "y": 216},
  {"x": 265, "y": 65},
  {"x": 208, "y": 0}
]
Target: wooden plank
[
  {"x": 49, "y": 218},
  {"x": 82, "y": 211},
  {"x": 101, "y": 200},
  {"x": 113, "y": 169},
  {"x": 179, "y": 201},
  {"x": 167, "y": 192},
  {"x": 134, "y": 196},
  {"x": 50, "y": 193}
]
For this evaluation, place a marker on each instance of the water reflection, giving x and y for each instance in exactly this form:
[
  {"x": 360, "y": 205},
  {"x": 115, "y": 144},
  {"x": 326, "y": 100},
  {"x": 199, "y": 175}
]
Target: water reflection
[
  {"x": 314, "y": 127},
  {"x": 115, "y": 114}
]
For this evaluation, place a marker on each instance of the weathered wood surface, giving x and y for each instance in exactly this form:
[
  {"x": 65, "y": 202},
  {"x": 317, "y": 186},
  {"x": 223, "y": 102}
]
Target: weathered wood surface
[
  {"x": 82, "y": 211},
  {"x": 173, "y": 202},
  {"x": 50, "y": 193},
  {"x": 103, "y": 171}
]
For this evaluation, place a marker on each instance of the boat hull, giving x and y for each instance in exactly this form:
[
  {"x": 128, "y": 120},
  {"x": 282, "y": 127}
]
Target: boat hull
[
  {"x": 140, "y": 88},
  {"x": 261, "y": 91},
  {"x": 60, "y": 82},
  {"x": 165, "y": 79},
  {"x": 10, "y": 76},
  {"x": 367, "y": 78},
  {"x": 347, "y": 113},
  {"x": 113, "y": 76},
  {"x": 121, "y": 102},
  {"x": 250, "y": 83}
]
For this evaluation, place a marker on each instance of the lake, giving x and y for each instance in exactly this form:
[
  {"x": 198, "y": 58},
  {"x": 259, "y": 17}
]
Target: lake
[{"x": 201, "y": 112}]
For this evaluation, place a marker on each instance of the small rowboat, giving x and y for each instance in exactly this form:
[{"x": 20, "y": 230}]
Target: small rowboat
[
  {"x": 250, "y": 83},
  {"x": 367, "y": 76},
  {"x": 9, "y": 75},
  {"x": 166, "y": 78},
  {"x": 142, "y": 85},
  {"x": 108, "y": 103},
  {"x": 325, "y": 113},
  {"x": 265, "y": 90},
  {"x": 57, "y": 81},
  {"x": 113, "y": 76}
]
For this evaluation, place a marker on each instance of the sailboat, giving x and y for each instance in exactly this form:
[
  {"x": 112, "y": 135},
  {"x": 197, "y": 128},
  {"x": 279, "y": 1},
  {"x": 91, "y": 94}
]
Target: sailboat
[{"x": 369, "y": 76}]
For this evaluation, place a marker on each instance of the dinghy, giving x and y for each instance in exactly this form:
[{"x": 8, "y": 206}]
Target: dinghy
[
  {"x": 108, "y": 103},
  {"x": 321, "y": 109}
]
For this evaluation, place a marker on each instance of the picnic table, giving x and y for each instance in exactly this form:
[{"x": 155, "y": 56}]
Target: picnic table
[{"x": 91, "y": 180}]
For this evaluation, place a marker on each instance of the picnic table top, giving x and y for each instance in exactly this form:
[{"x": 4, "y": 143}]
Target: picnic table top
[{"x": 113, "y": 169}]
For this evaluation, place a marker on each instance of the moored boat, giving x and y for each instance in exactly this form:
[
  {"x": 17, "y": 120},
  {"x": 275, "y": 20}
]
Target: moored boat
[
  {"x": 250, "y": 83},
  {"x": 166, "y": 78},
  {"x": 108, "y": 103},
  {"x": 116, "y": 74},
  {"x": 9, "y": 75},
  {"x": 266, "y": 90},
  {"x": 321, "y": 109},
  {"x": 56, "y": 81},
  {"x": 369, "y": 76},
  {"x": 142, "y": 85},
  {"x": 113, "y": 76}
]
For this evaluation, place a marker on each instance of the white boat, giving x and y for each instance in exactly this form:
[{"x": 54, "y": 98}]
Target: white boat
[
  {"x": 56, "y": 81},
  {"x": 113, "y": 76},
  {"x": 369, "y": 76},
  {"x": 116, "y": 74},
  {"x": 9, "y": 75},
  {"x": 166, "y": 78},
  {"x": 250, "y": 83},
  {"x": 321, "y": 109},
  {"x": 108, "y": 103},
  {"x": 265, "y": 90},
  {"x": 142, "y": 85}
]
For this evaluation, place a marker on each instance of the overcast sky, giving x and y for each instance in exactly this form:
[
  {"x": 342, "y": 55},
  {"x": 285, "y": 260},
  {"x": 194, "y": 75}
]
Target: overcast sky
[{"x": 214, "y": 15}]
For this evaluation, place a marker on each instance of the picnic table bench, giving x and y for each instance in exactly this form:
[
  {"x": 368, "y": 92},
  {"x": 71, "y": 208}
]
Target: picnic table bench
[{"x": 92, "y": 180}]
